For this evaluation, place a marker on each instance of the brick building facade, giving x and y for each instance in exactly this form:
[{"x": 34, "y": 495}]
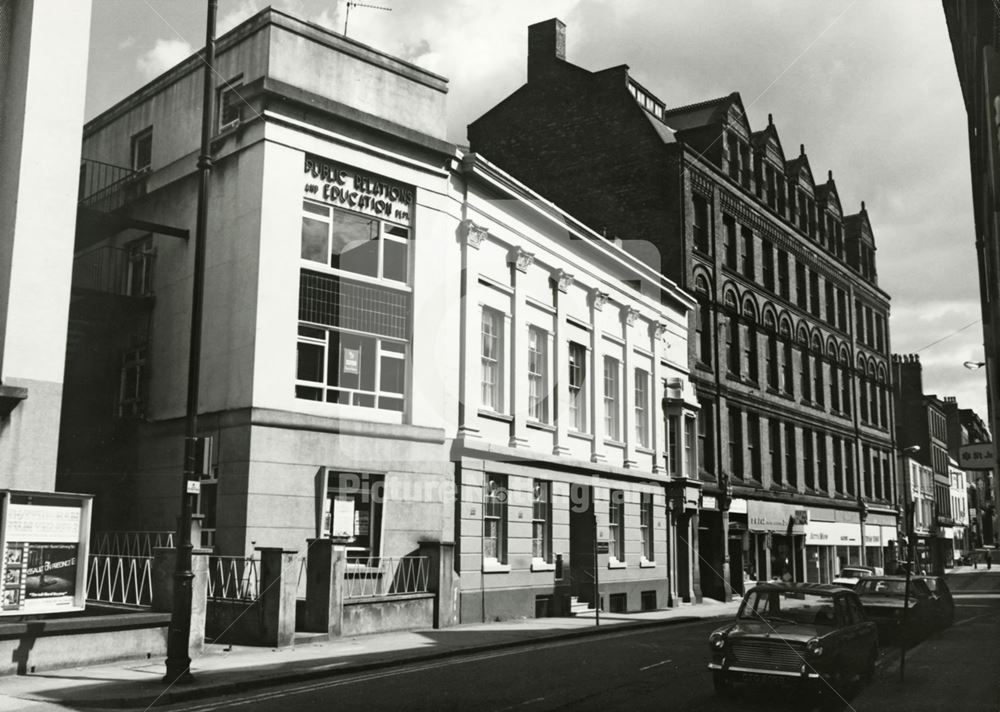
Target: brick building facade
[{"x": 790, "y": 344}]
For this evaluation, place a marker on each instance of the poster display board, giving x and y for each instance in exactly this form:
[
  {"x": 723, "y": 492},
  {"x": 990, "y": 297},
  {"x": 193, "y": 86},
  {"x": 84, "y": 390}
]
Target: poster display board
[{"x": 44, "y": 538}]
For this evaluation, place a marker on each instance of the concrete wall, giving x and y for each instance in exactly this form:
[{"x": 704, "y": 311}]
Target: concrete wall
[
  {"x": 397, "y": 613},
  {"x": 43, "y": 645},
  {"x": 43, "y": 62}
]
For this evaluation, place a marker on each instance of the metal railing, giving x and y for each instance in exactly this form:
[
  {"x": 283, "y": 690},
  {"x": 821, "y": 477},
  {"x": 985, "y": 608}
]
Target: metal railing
[
  {"x": 107, "y": 187},
  {"x": 129, "y": 543},
  {"x": 373, "y": 576},
  {"x": 233, "y": 578},
  {"x": 114, "y": 270},
  {"x": 124, "y": 580}
]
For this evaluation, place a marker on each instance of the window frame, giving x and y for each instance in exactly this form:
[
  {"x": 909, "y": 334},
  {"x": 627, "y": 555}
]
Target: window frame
[
  {"x": 491, "y": 394},
  {"x": 576, "y": 383},
  {"x": 616, "y": 526},
  {"x": 141, "y": 142},
  {"x": 641, "y": 406},
  {"x": 495, "y": 500},
  {"x": 538, "y": 374},
  {"x": 541, "y": 523},
  {"x": 646, "y": 529}
]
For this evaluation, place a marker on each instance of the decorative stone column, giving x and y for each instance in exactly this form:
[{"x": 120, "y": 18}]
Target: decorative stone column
[
  {"x": 473, "y": 236},
  {"x": 562, "y": 281},
  {"x": 519, "y": 261}
]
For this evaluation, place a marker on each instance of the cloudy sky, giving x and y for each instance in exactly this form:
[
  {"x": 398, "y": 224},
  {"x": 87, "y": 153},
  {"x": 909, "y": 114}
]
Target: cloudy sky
[{"x": 869, "y": 87}]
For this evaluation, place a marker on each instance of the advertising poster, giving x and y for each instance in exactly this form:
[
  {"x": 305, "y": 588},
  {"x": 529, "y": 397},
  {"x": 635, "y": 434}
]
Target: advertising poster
[
  {"x": 44, "y": 559},
  {"x": 50, "y": 575}
]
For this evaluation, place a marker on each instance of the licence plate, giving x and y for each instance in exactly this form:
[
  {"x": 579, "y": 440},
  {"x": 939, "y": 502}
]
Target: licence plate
[{"x": 758, "y": 678}]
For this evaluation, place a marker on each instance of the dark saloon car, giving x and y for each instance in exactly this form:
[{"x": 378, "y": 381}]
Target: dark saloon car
[
  {"x": 944, "y": 604},
  {"x": 814, "y": 635},
  {"x": 882, "y": 597}
]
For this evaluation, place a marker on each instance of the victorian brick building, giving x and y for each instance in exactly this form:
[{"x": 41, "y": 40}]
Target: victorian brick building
[{"x": 790, "y": 344}]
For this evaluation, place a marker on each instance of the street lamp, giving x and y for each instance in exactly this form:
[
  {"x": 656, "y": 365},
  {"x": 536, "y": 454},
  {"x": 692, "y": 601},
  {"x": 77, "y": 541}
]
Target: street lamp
[
  {"x": 908, "y": 523},
  {"x": 974, "y": 365},
  {"x": 178, "y": 661}
]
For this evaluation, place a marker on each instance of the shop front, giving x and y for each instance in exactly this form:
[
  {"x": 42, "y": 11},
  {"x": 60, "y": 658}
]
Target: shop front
[{"x": 775, "y": 540}]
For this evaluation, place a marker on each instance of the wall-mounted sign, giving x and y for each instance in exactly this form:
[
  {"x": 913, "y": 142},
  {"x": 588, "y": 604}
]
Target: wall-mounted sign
[
  {"x": 44, "y": 538},
  {"x": 708, "y": 502},
  {"x": 977, "y": 456},
  {"x": 352, "y": 359},
  {"x": 358, "y": 190},
  {"x": 774, "y": 517},
  {"x": 602, "y": 547}
]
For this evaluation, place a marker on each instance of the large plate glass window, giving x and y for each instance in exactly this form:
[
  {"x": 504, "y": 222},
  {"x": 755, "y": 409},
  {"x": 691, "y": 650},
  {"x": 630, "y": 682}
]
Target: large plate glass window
[{"x": 354, "y": 309}]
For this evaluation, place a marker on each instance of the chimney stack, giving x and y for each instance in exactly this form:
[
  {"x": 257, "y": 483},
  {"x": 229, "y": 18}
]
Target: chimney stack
[{"x": 546, "y": 43}]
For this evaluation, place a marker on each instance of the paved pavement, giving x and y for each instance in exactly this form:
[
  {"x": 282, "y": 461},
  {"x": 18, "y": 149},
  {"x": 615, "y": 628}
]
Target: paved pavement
[{"x": 227, "y": 669}]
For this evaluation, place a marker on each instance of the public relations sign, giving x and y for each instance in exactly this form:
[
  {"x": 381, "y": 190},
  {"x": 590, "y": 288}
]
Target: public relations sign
[
  {"x": 977, "y": 456},
  {"x": 44, "y": 538}
]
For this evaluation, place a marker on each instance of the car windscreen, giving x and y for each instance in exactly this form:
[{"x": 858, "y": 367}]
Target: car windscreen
[
  {"x": 880, "y": 587},
  {"x": 788, "y": 607}
]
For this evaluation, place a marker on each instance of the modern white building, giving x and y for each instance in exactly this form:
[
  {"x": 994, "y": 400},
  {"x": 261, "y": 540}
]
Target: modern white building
[
  {"x": 43, "y": 66},
  {"x": 401, "y": 343}
]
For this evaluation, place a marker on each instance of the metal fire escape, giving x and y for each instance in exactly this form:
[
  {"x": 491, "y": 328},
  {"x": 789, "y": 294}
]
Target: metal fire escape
[{"x": 111, "y": 303}]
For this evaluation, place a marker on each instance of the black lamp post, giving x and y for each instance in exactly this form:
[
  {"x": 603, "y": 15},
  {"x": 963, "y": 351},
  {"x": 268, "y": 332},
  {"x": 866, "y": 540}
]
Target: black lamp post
[
  {"x": 178, "y": 660},
  {"x": 908, "y": 523}
]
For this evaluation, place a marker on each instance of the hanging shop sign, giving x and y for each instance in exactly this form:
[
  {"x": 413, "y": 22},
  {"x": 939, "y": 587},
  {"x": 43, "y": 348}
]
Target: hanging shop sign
[
  {"x": 44, "y": 538},
  {"x": 977, "y": 456},
  {"x": 358, "y": 190}
]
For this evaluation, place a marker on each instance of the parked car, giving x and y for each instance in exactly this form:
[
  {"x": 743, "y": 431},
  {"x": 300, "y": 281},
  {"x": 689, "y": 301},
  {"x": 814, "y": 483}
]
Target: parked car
[
  {"x": 882, "y": 597},
  {"x": 850, "y": 575},
  {"x": 944, "y": 603},
  {"x": 814, "y": 635}
]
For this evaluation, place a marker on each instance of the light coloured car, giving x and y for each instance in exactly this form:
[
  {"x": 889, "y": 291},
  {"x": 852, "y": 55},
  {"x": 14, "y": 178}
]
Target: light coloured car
[
  {"x": 801, "y": 634},
  {"x": 850, "y": 575}
]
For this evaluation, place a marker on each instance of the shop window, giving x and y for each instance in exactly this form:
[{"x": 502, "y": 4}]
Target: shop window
[
  {"x": 616, "y": 524},
  {"x": 541, "y": 521},
  {"x": 142, "y": 150},
  {"x": 578, "y": 387},
  {"x": 495, "y": 497},
  {"x": 354, "y": 511},
  {"x": 538, "y": 375}
]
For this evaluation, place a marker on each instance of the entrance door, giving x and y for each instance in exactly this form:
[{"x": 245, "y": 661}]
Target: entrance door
[{"x": 582, "y": 531}]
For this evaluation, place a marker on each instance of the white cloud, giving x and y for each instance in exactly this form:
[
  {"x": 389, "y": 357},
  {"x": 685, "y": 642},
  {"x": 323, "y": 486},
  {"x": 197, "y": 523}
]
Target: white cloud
[{"x": 161, "y": 57}]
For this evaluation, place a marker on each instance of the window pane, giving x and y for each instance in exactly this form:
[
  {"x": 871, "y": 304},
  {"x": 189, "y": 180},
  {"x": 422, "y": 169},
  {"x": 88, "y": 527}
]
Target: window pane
[
  {"x": 310, "y": 362},
  {"x": 355, "y": 243},
  {"x": 395, "y": 260},
  {"x": 314, "y": 240},
  {"x": 392, "y": 377}
]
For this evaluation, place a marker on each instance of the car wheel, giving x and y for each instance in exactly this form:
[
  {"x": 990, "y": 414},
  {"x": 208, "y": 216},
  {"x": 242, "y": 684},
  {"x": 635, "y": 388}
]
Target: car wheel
[{"x": 723, "y": 685}]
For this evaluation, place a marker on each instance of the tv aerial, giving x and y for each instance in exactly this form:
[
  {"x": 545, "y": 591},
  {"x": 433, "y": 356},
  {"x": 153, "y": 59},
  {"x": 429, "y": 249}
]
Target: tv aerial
[{"x": 351, "y": 3}]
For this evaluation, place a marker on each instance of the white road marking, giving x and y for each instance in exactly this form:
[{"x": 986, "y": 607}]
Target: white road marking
[{"x": 662, "y": 662}]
